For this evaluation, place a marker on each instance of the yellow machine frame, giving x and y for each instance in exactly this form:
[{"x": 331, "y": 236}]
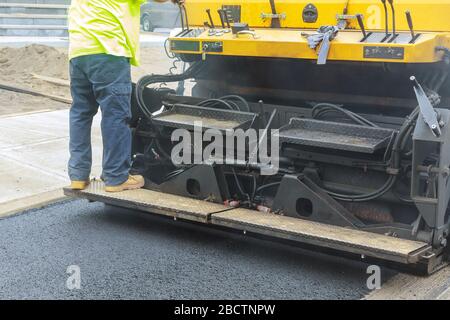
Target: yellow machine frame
[{"x": 289, "y": 41}]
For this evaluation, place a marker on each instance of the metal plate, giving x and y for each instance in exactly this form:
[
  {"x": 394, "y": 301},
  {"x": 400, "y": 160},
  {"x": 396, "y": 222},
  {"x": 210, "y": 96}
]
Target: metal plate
[
  {"x": 183, "y": 45},
  {"x": 379, "y": 52},
  {"x": 310, "y": 13},
  {"x": 233, "y": 12},
  {"x": 334, "y": 135},
  {"x": 212, "y": 46},
  {"x": 184, "y": 116}
]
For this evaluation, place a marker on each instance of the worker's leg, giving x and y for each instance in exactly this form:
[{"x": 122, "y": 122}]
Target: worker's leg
[
  {"x": 111, "y": 79},
  {"x": 82, "y": 112}
]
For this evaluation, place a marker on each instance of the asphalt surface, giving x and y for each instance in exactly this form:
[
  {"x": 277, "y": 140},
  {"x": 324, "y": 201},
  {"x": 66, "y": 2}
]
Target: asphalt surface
[{"x": 131, "y": 255}]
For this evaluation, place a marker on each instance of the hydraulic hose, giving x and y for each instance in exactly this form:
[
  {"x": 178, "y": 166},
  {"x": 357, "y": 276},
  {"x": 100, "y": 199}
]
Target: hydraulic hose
[
  {"x": 216, "y": 102},
  {"x": 145, "y": 81},
  {"x": 267, "y": 186},
  {"x": 321, "y": 109},
  {"x": 394, "y": 162},
  {"x": 229, "y": 102}
]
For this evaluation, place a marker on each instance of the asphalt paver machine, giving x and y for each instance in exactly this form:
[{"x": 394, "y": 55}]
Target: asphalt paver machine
[{"x": 353, "y": 94}]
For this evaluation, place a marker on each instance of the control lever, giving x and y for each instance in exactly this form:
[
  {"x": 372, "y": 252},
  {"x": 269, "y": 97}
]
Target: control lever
[
  {"x": 342, "y": 23},
  {"x": 220, "y": 12},
  {"x": 359, "y": 17},
  {"x": 386, "y": 15},
  {"x": 414, "y": 36},
  {"x": 208, "y": 11},
  {"x": 429, "y": 115},
  {"x": 213, "y": 31},
  {"x": 394, "y": 33},
  {"x": 222, "y": 15},
  {"x": 227, "y": 19}
]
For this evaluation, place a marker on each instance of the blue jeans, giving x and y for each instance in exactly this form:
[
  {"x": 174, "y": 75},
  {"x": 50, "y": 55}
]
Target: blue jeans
[{"x": 100, "y": 80}]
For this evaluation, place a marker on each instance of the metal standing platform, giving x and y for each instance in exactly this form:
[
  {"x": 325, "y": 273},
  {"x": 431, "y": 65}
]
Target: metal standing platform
[
  {"x": 298, "y": 230},
  {"x": 334, "y": 135}
]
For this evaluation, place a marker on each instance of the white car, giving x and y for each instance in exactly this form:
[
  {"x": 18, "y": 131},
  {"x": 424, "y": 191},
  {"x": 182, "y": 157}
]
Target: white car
[{"x": 159, "y": 15}]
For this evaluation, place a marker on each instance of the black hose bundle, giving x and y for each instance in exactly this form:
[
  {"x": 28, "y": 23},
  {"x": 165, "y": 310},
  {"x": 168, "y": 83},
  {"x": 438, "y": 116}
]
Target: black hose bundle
[
  {"x": 231, "y": 102},
  {"x": 322, "y": 109},
  {"x": 145, "y": 81},
  {"x": 393, "y": 163}
]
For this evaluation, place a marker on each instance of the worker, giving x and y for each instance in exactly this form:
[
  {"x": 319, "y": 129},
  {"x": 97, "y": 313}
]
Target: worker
[{"x": 104, "y": 41}]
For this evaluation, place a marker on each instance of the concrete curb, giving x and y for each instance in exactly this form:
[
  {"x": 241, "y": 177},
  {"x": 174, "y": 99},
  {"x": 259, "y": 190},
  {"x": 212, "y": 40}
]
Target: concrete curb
[{"x": 36, "y": 201}]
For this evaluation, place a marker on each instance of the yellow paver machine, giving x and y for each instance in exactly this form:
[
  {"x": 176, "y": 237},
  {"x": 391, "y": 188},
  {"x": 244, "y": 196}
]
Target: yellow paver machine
[{"x": 324, "y": 123}]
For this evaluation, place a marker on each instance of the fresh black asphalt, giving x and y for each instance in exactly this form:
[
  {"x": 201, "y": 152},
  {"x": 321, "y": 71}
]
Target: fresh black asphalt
[{"x": 125, "y": 254}]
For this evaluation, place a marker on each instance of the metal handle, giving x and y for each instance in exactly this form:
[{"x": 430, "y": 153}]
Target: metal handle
[
  {"x": 361, "y": 24},
  {"x": 280, "y": 16},
  {"x": 208, "y": 11},
  {"x": 427, "y": 110},
  {"x": 410, "y": 23},
  {"x": 386, "y": 16},
  {"x": 391, "y": 4},
  {"x": 247, "y": 32},
  {"x": 220, "y": 12}
]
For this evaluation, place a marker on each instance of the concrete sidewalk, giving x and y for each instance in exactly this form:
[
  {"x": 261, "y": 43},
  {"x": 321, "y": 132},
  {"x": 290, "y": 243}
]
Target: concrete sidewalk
[{"x": 34, "y": 155}]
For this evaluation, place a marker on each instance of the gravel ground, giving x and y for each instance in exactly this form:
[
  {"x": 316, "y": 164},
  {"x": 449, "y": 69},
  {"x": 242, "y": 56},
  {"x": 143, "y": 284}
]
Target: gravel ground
[{"x": 132, "y": 255}]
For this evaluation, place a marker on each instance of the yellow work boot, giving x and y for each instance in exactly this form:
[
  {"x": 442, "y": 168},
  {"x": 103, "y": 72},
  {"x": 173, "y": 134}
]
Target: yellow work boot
[
  {"x": 133, "y": 182},
  {"x": 79, "y": 185}
]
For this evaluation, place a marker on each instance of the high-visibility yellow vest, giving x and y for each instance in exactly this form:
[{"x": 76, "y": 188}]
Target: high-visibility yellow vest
[{"x": 105, "y": 26}]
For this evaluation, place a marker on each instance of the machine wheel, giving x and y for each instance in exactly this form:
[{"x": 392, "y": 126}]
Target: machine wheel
[{"x": 147, "y": 24}]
